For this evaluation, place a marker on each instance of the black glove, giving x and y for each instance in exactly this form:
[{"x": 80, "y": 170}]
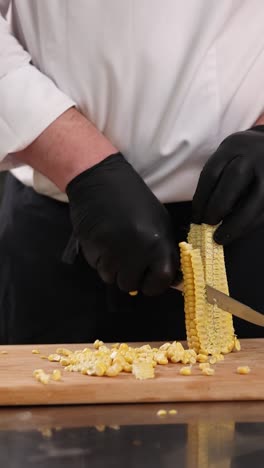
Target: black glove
[
  {"x": 231, "y": 186},
  {"x": 125, "y": 233}
]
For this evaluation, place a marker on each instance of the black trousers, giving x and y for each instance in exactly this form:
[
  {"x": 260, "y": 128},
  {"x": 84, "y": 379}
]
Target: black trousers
[{"x": 43, "y": 300}]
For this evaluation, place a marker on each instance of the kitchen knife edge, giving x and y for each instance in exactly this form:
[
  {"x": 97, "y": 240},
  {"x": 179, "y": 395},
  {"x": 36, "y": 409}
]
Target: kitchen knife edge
[{"x": 228, "y": 304}]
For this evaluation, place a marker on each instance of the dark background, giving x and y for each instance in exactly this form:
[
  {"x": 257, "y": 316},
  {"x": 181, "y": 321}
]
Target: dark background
[{"x": 2, "y": 177}]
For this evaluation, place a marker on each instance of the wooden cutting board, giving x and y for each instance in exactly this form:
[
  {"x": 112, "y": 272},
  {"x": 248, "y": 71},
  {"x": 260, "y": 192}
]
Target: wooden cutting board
[{"x": 18, "y": 387}]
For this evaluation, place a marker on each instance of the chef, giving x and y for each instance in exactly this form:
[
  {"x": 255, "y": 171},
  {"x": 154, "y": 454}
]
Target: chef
[{"x": 114, "y": 116}]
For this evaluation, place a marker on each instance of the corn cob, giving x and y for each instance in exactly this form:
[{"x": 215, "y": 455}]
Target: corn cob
[
  {"x": 209, "y": 330},
  {"x": 203, "y": 440}
]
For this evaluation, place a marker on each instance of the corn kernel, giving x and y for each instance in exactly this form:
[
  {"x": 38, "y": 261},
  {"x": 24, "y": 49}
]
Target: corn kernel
[
  {"x": 143, "y": 370},
  {"x": 165, "y": 347},
  {"x": 237, "y": 345},
  {"x": 41, "y": 376},
  {"x": 243, "y": 370},
  {"x": 65, "y": 361},
  {"x": 100, "y": 369},
  {"x": 63, "y": 351},
  {"x": 219, "y": 357},
  {"x": 46, "y": 432},
  {"x": 208, "y": 371},
  {"x": 213, "y": 360},
  {"x": 186, "y": 370},
  {"x": 113, "y": 371},
  {"x": 123, "y": 347},
  {"x": 204, "y": 365},
  {"x": 127, "y": 367},
  {"x": 137, "y": 443},
  {"x": 56, "y": 375},
  {"x": 100, "y": 428},
  {"x": 97, "y": 344},
  {"x": 160, "y": 358},
  {"x": 161, "y": 413},
  {"x": 37, "y": 371},
  {"x": 54, "y": 358}
]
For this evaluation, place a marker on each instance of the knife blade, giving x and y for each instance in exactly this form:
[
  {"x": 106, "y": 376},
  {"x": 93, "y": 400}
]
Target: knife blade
[{"x": 228, "y": 304}]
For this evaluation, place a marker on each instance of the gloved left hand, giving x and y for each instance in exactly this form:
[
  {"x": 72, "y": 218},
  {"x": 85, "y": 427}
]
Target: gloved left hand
[{"x": 231, "y": 186}]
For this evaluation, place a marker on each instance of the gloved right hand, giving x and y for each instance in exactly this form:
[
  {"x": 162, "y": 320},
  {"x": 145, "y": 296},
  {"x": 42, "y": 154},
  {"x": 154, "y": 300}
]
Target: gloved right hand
[{"x": 124, "y": 231}]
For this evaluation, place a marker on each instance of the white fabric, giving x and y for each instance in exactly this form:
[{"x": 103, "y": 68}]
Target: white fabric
[{"x": 165, "y": 81}]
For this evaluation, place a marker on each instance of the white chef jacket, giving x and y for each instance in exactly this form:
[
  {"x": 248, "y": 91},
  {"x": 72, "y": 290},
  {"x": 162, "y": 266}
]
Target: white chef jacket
[{"x": 164, "y": 80}]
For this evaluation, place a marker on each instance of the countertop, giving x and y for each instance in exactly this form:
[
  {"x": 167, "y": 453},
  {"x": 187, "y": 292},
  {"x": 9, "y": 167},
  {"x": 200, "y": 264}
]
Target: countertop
[{"x": 199, "y": 435}]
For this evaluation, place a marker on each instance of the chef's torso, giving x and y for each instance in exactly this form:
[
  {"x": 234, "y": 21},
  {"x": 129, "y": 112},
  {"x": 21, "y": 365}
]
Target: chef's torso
[{"x": 165, "y": 81}]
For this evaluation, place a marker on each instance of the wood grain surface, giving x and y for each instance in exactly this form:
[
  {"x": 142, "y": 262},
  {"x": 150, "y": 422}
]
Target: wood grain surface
[{"x": 18, "y": 387}]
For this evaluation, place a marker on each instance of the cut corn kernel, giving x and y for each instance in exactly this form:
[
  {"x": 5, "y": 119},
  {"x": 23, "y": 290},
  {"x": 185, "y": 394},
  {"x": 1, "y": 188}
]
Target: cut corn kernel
[
  {"x": 65, "y": 361},
  {"x": 237, "y": 345},
  {"x": 186, "y": 370},
  {"x": 133, "y": 293},
  {"x": 115, "y": 345},
  {"x": 63, "y": 351},
  {"x": 37, "y": 371},
  {"x": 35, "y": 351},
  {"x": 115, "y": 427},
  {"x": 100, "y": 428},
  {"x": 98, "y": 343},
  {"x": 161, "y": 358},
  {"x": 219, "y": 357},
  {"x": 202, "y": 358},
  {"x": 208, "y": 371},
  {"x": 243, "y": 370},
  {"x": 44, "y": 378},
  {"x": 161, "y": 413},
  {"x": 143, "y": 370},
  {"x": 46, "y": 432},
  {"x": 100, "y": 369},
  {"x": 56, "y": 375},
  {"x": 54, "y": 358},
  {"x": 173, "y": 411},
  {"x": 41, "y": 376},
  {"x": 204, "y": 365},
  {"x": 213, "y": 360},
  {"x": 113, "y": 370},
  {"x": 127, "y": 367},
  {"x": 110, "y": 361},
  {"x": 137, "y": 443}
]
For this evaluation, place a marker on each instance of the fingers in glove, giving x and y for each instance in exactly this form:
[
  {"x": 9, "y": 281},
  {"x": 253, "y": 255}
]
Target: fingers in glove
[
  {"x": 244, "y": 217},
  {"x": 107, "y": 269},
  {"x": 207, "y": 182},
  {"x": 230, "y": 188},
  {"x": 159, "y": 277},
  {"x": 130, "y": 279}
]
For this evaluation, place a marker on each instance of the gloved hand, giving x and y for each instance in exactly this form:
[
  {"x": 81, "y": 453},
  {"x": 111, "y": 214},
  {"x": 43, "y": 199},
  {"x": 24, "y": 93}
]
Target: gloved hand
[
  {"x": 124, "y": 231},
  {"x": 231, "y": 186}
]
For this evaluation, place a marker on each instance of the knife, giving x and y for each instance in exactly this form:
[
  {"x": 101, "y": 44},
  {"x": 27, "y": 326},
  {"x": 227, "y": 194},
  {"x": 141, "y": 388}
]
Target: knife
[{"x": 228, "y": 304}]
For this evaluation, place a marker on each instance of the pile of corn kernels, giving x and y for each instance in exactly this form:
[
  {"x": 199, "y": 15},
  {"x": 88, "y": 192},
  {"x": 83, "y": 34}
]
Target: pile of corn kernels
[{"x": 110, "y": 361}]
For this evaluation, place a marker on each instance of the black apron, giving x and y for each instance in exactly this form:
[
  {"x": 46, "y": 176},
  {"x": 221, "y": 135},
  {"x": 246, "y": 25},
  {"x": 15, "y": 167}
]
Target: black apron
[{"x": 44, "y": 300}]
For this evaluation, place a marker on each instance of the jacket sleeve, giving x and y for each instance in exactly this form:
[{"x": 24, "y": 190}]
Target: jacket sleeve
[{"x": 29, "y": 100}]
